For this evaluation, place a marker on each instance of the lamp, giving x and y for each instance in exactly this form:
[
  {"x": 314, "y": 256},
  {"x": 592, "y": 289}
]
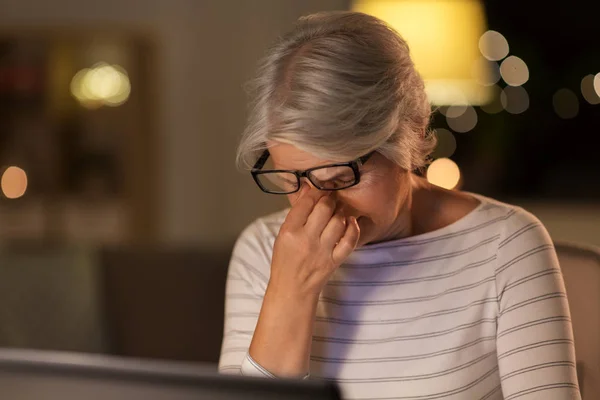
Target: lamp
[{"x": 443, "y": 36}]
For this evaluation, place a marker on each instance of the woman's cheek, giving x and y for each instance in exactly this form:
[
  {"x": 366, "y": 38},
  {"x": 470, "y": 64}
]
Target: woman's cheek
[
  {"x": 368, "y": 184},
  {"x": 363, "y": 192}
]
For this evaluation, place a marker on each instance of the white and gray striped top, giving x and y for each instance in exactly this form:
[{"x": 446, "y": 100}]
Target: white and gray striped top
[{"x": 475, "y": 310}]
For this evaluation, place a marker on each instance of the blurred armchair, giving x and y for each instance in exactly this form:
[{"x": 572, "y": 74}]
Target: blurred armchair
[
  {"x": 166, "y": 302},
  {"x": 581, "y": 270},
  {"x": 51, "y": 299}
]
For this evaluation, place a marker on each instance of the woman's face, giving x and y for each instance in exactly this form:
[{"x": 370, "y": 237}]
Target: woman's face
[{"x": 380, "y": 202}]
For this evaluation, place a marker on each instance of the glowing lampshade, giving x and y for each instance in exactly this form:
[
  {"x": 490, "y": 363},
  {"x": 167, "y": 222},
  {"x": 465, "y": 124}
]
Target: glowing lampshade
[{"x": 443, "y": 36}]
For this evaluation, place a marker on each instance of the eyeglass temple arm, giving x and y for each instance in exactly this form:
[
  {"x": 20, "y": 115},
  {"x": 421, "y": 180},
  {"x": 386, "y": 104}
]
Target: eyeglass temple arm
[
  {"x": 262, "y": 160},
  {"x": 365, "y": 158}
]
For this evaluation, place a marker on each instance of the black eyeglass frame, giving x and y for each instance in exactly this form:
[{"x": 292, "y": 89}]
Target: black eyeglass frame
[{"x": 355, "y": 165}]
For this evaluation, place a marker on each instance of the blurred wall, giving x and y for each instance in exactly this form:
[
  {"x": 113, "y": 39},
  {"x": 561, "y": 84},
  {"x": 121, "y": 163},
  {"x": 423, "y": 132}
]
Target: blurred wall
[{"x": 207, "y": 49}]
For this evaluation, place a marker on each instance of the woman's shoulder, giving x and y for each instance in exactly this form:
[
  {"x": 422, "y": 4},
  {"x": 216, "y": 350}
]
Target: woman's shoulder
[
  {"x": 513, "y": 212},
  {"x": 514, "y": 221}
]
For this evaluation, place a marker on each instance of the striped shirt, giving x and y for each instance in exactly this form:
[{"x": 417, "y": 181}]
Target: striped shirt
[{"x": 474, "y": 310}]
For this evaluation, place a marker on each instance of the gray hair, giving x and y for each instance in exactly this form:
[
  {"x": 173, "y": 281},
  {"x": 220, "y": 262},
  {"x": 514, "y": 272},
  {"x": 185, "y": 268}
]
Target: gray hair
[{"x": 338, "y": 86}]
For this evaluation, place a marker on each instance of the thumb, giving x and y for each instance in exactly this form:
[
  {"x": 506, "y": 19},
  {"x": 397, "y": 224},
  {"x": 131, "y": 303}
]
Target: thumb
[{"x": 348, "y": 242}]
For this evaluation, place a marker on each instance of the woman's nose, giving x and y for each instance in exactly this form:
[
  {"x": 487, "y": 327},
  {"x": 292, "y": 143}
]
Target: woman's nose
[{"x": 306, "y": 182}]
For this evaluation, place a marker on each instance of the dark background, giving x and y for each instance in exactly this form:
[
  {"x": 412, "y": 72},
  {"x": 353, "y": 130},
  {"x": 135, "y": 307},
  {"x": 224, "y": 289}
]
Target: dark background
[{"x": 540, "y": 155}]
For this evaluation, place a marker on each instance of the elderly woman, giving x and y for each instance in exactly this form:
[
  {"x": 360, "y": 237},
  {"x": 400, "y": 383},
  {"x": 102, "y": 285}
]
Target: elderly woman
[{"x": 374, "y": 278}]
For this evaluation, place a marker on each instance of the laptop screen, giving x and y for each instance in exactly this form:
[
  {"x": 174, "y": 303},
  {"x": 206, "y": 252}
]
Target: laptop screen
[{"x": 42, "y": 375}]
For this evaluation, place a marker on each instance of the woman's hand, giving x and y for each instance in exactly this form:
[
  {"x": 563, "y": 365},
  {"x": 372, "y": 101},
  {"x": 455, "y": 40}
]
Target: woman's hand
[{"x": 312, "y": 243}]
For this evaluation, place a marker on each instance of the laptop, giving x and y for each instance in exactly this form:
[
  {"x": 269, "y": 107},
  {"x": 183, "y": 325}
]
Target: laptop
[{"x": 50, "y": 375}]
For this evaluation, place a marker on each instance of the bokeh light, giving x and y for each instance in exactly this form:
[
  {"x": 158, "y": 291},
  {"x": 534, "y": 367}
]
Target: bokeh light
[
  {"x": 455, "y": 111},
  {"x": 442, "y": 110},
  {"x": 514, "y": 99},
  {"x": 446, "y": 143},
  {"x": 492, "y": 75},
  {"x": 514, "y": 71},
  {"x": 443, "y": 172},
  {"x": 13, "y": 182},
  {"x": 495, "y": 105},
  {"x": 597, "y": 83},
  {"x": 101, "y": 85},
  {"x": 588, "y": 91},
  {"x": 565, "y": 103},
  {"x": 493, "y": 45},
  {"x": 461, "y": 118}
]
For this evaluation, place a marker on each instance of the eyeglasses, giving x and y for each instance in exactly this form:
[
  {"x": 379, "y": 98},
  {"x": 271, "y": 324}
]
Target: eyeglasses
[{"x": 326, "y": 177}]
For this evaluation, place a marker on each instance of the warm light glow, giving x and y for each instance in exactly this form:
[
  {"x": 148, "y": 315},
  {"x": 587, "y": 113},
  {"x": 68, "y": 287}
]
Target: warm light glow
[
  {"x": 588, "y": 91},
  {"x": 495, "y": 106},
  {"x": 493, "y": 45},
  {"x": 101, "y": 85},
  {"x": 77, "y": 84},
  {"x": 446, "y": 143},
  {"x": 514, "y": 99},
  {"x": 13, "y": 182},
  {"x": 443, "y": 172},
  {"x": 461, "y": 119},
  {"x": 443, "y": 37},
  {"x": 447, "y": 93},
  {"x": 103, "y": 82},
  {"x": 597, "y": 83},
  {"x": 565, "y": 103},
  {"x": 514, "y": 71}
]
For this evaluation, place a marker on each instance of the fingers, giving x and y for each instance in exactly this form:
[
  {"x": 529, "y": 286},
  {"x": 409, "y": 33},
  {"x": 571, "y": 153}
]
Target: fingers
[
  {"x": 347, "y": 243},
  {"x": 320, "y": 215},
  {"x": 315, "y": 211},
  {"x": 303, "y": 206},
  {"x": 335, "y": 229}
]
